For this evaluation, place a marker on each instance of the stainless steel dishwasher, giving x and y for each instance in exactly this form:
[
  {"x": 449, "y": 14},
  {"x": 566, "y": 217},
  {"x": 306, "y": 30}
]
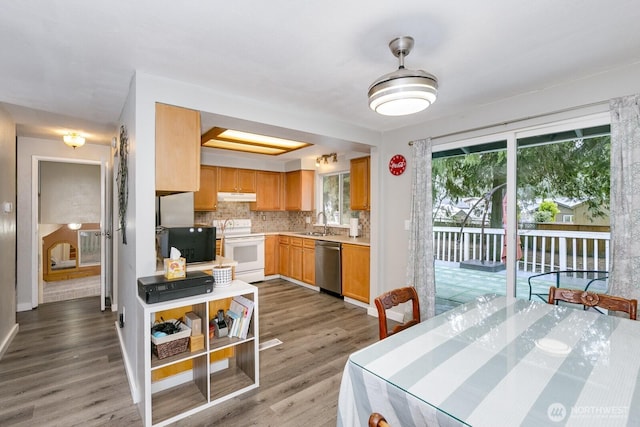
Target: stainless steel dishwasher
[{"x": 328, "y": 266}]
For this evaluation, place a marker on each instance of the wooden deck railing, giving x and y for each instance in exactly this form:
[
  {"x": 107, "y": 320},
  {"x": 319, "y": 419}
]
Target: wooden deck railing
[{"x": 542, "y": 250}]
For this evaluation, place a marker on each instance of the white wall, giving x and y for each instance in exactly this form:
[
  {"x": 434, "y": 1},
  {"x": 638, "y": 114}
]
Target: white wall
[
  {"x": 8, "y": 325},
  {"x": 46, "y": 149},
  {"x": 563, "y": 100},
  {"x": 69, "y": 193}
]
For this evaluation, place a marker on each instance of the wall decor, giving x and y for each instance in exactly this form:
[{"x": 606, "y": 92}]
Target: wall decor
[
  {"x": 397, "y": 164},
  {"x": 122, "y": 181}
]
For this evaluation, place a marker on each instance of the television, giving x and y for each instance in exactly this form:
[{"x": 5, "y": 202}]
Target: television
[{"x": 196, "y": 244}]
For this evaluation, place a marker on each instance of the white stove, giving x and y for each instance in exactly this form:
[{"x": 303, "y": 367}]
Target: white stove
[{"x": 242, "y": 246}]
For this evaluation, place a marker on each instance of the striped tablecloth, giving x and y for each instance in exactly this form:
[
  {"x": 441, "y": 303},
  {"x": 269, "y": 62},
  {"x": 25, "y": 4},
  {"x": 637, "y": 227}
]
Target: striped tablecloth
[{"x": 499, "y": 361}]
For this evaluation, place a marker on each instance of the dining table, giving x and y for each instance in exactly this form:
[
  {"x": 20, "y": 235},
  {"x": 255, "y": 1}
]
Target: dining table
[{"x": 499, "y": 361}]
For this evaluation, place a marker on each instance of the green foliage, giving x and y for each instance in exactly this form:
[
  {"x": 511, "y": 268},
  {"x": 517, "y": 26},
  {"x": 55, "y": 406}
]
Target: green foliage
[
  {"x": 577, "y": 169},
  {"x": 543, "y": 216},
  {"x": 549, "y": 206}
]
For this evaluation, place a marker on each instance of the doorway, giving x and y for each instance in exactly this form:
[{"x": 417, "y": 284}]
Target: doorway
[{"x": 69, "y": 211}]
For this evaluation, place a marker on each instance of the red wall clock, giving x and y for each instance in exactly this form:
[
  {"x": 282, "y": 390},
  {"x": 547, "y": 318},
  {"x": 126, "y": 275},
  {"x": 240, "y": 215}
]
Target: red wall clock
[{"x": 397, "y": 164}]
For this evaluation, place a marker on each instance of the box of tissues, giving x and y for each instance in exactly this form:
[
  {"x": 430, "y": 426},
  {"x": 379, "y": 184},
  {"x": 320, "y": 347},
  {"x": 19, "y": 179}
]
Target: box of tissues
[{"x": 175, "y": 266}]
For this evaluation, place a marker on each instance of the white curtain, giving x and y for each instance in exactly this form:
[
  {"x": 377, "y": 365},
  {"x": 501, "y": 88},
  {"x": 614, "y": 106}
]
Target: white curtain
[
  {"x": 420, "y": 264},
  {"x": 625, "y": 197}
]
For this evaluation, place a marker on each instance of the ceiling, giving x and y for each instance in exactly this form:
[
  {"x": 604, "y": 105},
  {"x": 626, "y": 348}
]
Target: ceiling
[{"x": 67, "y": 64}]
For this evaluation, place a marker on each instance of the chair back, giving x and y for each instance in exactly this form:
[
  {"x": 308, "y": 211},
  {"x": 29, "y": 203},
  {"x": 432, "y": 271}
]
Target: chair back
[
  {"x": 393, "y": 298},
  {"x": 377, "y": 420},
  {"x": 591, "y": 299}
]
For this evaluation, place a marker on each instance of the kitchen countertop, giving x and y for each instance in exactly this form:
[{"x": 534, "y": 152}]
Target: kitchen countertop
[
  {"x": 200, "y": 266},
  {"x": 330, "y": 238}
]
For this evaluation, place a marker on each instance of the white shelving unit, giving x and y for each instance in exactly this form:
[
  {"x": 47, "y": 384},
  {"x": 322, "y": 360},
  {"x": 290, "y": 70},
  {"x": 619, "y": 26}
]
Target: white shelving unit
[{"x": 178, "y": 386}]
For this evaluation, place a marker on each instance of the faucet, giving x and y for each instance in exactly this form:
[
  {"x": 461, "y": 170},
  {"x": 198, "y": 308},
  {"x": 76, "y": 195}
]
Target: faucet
[{"x": 325, "y": 221}]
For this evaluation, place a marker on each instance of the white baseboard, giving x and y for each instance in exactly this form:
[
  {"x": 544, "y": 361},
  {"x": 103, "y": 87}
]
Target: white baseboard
[
  {"x": 24, "y": 306},
  {"x": 114, "y": 307},
  {"x": 185, "y": 376},
  {"x": 392, "y": 315},
  {"x": 135, "y": 393},
  {"x": 4, "y": 346}
]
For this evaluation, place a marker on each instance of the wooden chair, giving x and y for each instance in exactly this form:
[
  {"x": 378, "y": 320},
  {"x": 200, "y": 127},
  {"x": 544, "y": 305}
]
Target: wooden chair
[
  {"x": 392, "y": 299},
  {"x": 591, "y": 299},
  {"x": 377, "y": 420}
]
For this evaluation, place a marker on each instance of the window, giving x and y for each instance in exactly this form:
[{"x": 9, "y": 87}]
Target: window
[
  {"x": 335, "y": 198},
  {"x": 567, "y": 218}
]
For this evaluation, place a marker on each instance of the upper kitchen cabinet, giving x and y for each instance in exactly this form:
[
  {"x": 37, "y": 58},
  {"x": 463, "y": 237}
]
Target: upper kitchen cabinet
[
  {"x": 269, "y": 191},
  {"x": 233, "y": 180},
  {"x": 299, "y": 190},
  {"x": 206, "y": 199},
  {"x": 177, "y": 149},
  {"x": 359, "y": 189}
]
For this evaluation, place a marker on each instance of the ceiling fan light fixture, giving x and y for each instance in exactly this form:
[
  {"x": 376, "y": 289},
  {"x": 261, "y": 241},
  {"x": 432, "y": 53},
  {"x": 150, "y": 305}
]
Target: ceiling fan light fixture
[{"x": 403, "y": 91}]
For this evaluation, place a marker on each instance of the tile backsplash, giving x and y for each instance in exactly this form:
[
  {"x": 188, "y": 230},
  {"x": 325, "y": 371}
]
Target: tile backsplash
[{"x": 265, "y": 222}]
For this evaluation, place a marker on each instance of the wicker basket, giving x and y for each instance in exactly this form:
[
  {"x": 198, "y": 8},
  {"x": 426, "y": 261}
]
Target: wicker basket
[{"x": 173, "y": 344}]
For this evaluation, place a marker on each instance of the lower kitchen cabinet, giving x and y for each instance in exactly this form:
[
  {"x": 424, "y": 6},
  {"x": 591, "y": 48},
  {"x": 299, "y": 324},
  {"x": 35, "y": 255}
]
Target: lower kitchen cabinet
[
  {"x": 178, "y": 386},
  {"x": 309, "y": 261},
  {"x": 295, "y": 258},
  {"x": 270, "y": 255},
  {"x": 355, "y": 272},
  {"x": 283, "y": 255}
]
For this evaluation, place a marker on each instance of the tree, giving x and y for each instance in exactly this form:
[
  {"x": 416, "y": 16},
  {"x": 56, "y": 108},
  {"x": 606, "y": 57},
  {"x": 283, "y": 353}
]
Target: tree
[
  {"x": 546, "y": 212},
  {"x": 578, "y": 169}
]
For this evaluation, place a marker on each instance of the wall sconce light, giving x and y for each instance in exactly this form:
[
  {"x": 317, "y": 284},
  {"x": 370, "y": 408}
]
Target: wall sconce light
[
  {"x": 325, "y": 159},
  {"x": 74, "y": 226},
  {"x": 73, "y": 140}
]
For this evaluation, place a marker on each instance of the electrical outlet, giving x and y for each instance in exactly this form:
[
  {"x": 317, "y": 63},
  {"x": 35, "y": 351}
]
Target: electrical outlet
[
  {"x": 122, "y": 317},
  {"x": 307, "y": 219},
  {"x": 264, "y": 217}
]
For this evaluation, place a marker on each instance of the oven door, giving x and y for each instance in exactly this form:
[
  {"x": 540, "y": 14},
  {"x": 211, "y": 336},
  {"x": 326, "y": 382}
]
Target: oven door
[{"x": 248, "y": 252}]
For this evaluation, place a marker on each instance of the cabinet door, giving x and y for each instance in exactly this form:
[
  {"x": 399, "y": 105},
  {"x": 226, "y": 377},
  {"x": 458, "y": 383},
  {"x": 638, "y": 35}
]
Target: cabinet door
[
  {"x": 270, "y": 255},
  {"x": 283, "y": 255},
  {"x": 177, "y": 149},
  {"x": 269, "y": 191},
  {"x": 246, "y": 180},
  {"x": 206, "y": 199},
  {"x": 355, "y": 272},
  {"x": 309, "y": 261},
  {"x": 299, "y": 190},
  {"x": 359, "y": 188},
  {"x": 227, "y": 180},
  {"x": 233, "y": 180},
  {"x": 295, "y": 258}
]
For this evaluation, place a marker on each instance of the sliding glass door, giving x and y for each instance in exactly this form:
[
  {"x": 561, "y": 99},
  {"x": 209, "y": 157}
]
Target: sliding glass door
[{"x": 509, "y": 206}]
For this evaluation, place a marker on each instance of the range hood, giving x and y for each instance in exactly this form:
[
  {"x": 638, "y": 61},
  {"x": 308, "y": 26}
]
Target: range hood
[{"x": 236, "y": 197}]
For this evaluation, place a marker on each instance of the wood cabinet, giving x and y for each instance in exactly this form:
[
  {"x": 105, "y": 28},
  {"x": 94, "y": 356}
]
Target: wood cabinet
[
  {"x": 270, "y": 255},
  {"x": 269, "y": 191},
  {"x": 309, "y": 261},
  {"x": 177, "y": 149},
  {"x": 295, "y": 258},
  {"x": 206, "y": 199},
  {"x": 360, "y": 192},
  {"x": 283, "y": 255},
  {"x": 233, "y": 180},
  {"x": 355, "y": 272},
  {"x": 179, "y": 385},
  {"x": 299, "y": 190}
]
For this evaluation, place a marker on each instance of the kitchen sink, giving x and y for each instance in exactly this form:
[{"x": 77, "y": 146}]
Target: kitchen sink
[{"x": 312, "y": 233}]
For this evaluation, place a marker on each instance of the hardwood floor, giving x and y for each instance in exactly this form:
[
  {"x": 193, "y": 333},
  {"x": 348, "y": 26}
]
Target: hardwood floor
[{"x": 65, "y": 368}]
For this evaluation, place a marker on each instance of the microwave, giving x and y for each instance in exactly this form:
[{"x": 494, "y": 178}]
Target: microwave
[{"x": 196, "y": 244}]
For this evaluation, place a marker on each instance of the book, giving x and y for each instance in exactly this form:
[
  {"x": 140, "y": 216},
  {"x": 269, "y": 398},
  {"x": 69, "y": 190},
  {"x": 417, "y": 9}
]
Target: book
[
  {"x": 249, "y": 304},
  {"x": 241, "y": 310},
  {"x": 234, "y": 320}
]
